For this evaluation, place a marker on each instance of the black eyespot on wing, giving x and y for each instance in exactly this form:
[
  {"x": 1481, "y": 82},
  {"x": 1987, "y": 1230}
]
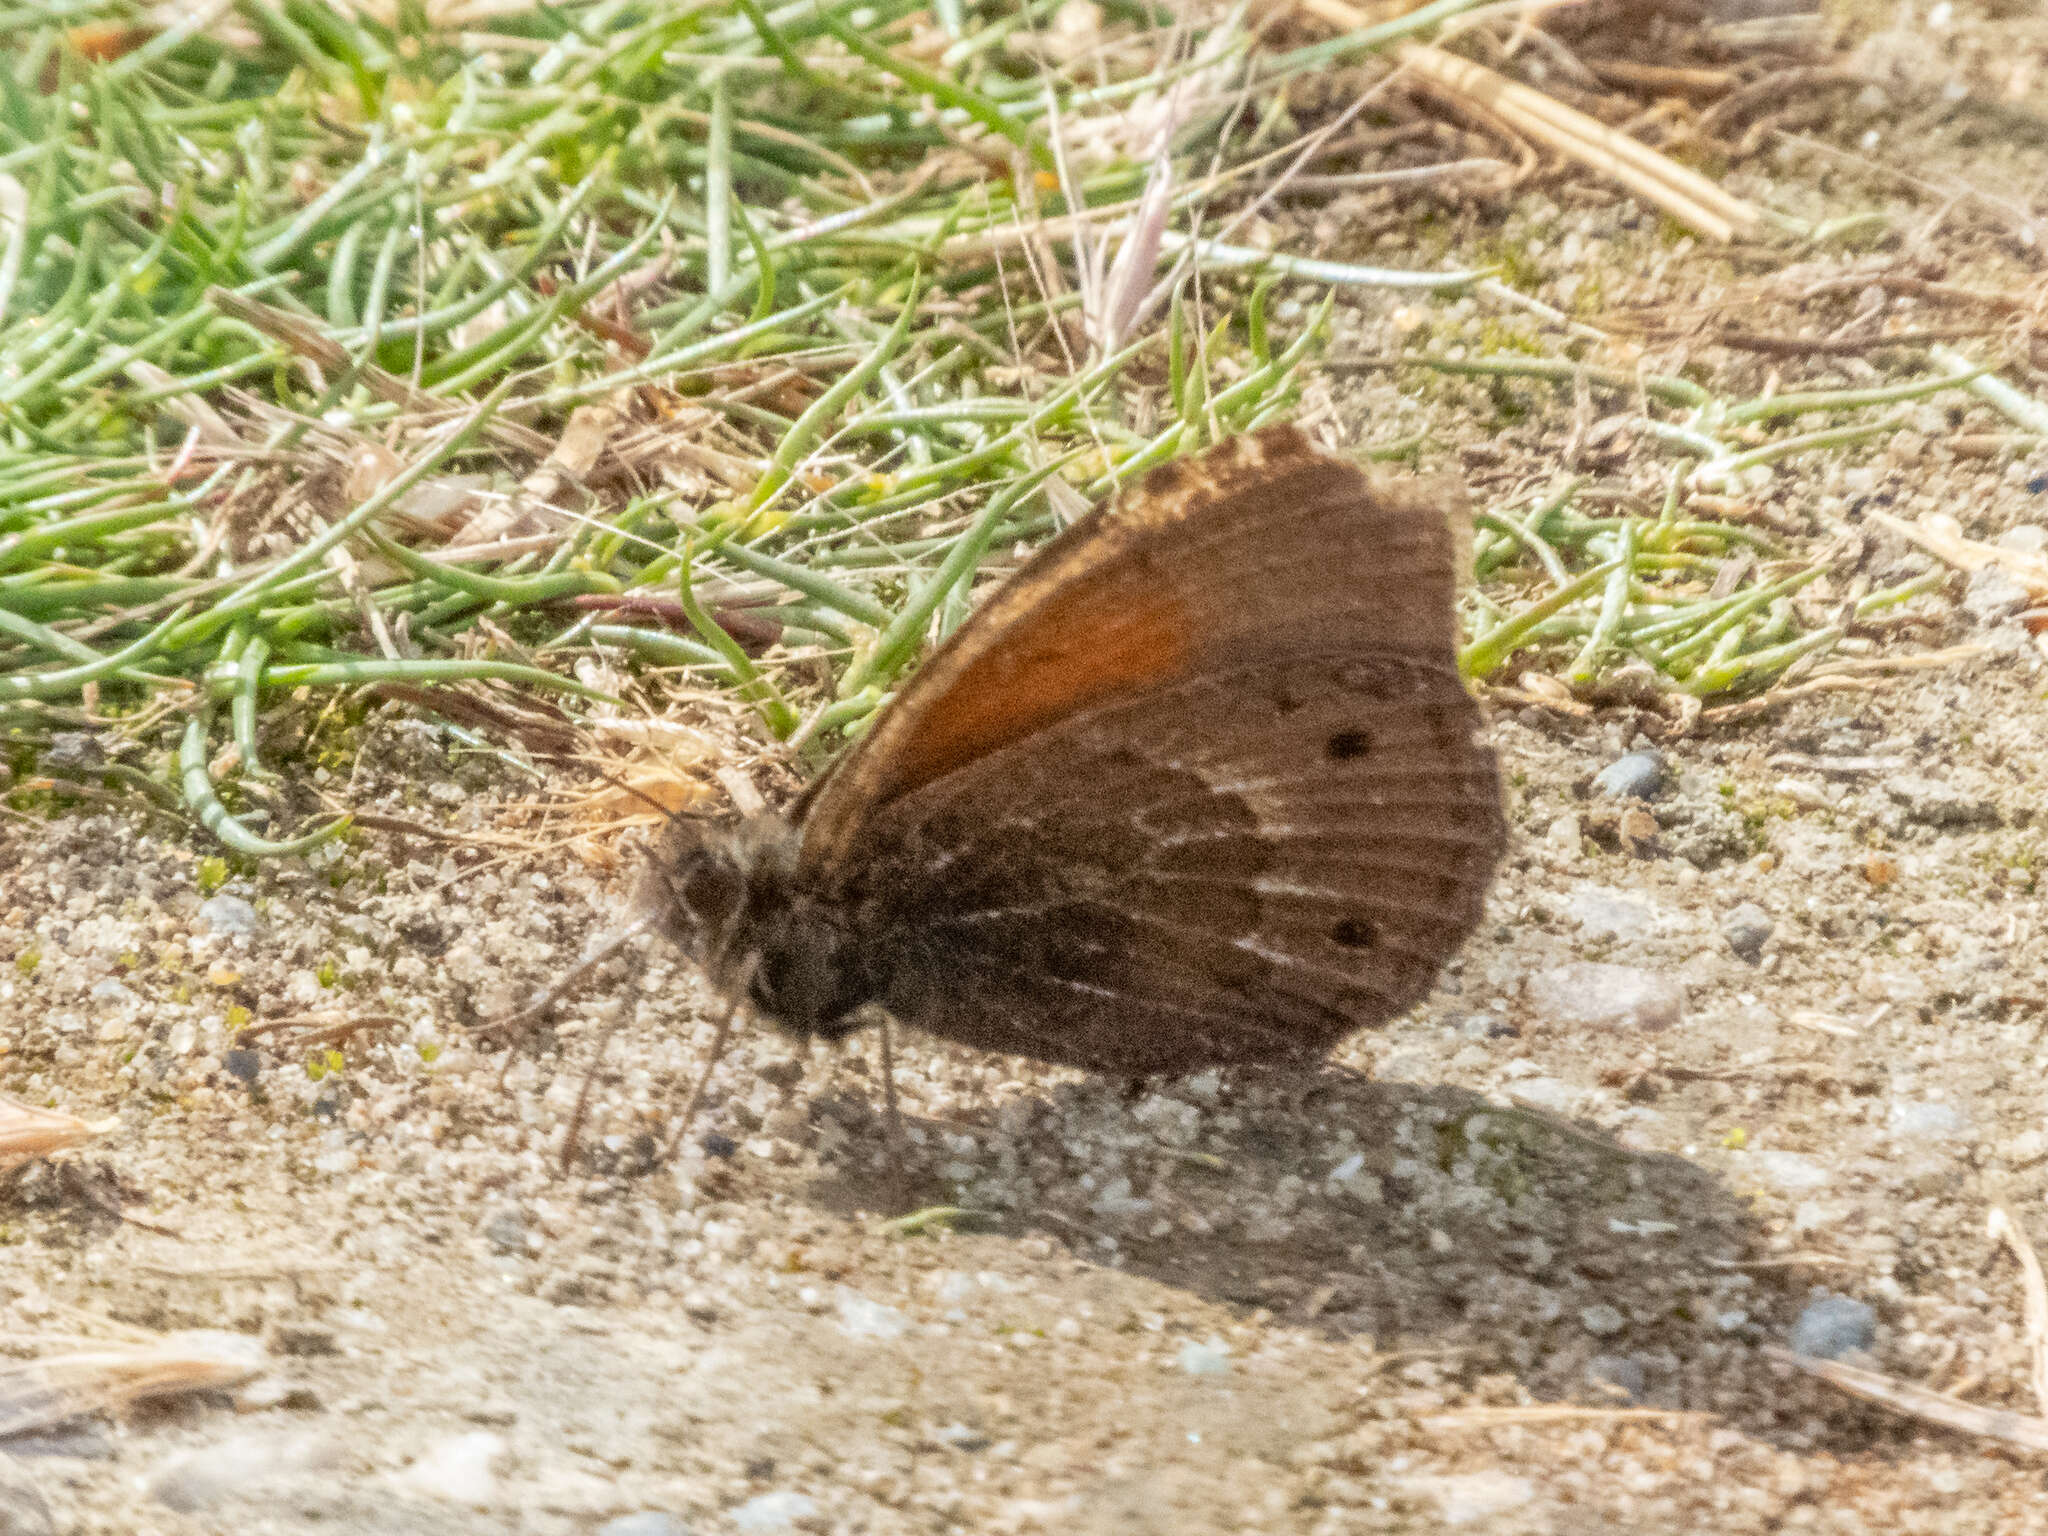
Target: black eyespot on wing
[
  {"x": 1353, "y": 933},
  {"x": 1348, "y": 746}
]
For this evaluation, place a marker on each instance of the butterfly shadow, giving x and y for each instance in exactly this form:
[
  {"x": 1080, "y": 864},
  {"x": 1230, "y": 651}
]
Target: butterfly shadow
[{"x": 1427, "y": 1221}]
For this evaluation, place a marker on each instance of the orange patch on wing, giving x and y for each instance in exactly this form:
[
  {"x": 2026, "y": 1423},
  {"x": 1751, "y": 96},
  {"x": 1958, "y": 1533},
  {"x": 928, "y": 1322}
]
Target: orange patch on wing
[{"x": 1080, "y": 649}]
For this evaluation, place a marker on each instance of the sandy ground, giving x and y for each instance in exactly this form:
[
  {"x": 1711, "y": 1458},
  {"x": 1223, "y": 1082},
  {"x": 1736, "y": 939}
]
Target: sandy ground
[{"x": 1512, "y": 1265}]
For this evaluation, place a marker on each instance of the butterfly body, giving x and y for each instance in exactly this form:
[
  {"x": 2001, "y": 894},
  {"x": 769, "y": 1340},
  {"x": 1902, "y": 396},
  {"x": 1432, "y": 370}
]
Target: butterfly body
[{"x": 1198, "y": 785}]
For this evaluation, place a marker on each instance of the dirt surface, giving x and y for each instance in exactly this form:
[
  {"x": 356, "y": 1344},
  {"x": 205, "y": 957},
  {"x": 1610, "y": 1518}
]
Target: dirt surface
[{"x": 1232, "y": 1303}]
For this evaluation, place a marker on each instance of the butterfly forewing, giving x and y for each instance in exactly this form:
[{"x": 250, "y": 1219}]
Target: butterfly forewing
[
  {"x": 1254, "y": 548},
  {"x": 1250, "y": 820}
]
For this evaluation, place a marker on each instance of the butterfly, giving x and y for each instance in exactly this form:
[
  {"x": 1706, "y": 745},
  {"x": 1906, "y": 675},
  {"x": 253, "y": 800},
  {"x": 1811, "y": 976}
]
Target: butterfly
[{"x": 1199, "y": 784}]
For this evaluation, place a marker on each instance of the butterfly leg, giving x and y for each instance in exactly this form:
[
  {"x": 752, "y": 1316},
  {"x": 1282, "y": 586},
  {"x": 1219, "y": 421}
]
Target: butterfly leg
[
  {"x": 628, "y": 1007},
  {"x": 899, "y": 1183},
  {"x": 711, "y": 1060}
]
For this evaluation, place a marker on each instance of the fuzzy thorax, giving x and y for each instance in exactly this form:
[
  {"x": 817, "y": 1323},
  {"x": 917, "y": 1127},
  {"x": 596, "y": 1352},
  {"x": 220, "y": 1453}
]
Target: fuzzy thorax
[{"x": 728, "y": 894}]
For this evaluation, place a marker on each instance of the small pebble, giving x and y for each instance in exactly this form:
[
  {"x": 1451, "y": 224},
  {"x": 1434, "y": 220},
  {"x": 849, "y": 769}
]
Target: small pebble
[
  {"x": 71, "y": 753},
  {"x": 1746, "y": 929},
  {"x": 1933, "y": 803},
  {"x": 463, "y": 1469},
  {"x": 1993, "y": 596},
  {"x": 1832, "y": 1326},
  {"x": 1210, "y": 1359},
  {"x": 1926, "y": 1120},
  {"x": 1565, "y": 837},
  {"x": 861, "y": 1318},
  {"x": 235, "y": 1468},
  {"x": 226, "y": 914},
  {"x": 1605, "y": 913},
  {"x": 1634, "y": 776},
  {"x": 242, "y": 1063},
  {"x": 1601, "y": 996},
  {"x": 1476, "y": 1499},
  {"x": 717, "y": 1145},
  {"x": 302, "y": 1338},
  {"x": 962, "y": 1437},
  {"x": 776, "y": 1511},
  {"x": 646, "y": 1522},
  {"x": 1788, "y": 1171},
  {"x": 1603, "y": 1321},
  {"x": 1623, "y": 1373},
  {"x": 505, "y": 1230}
]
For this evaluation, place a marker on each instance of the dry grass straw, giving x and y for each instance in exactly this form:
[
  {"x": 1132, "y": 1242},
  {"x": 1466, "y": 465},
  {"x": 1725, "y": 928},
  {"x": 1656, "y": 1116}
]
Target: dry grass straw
[
  {"x": 107, "y": 1377},
  {"x": 1529, "y": 114},
  {"x": 27, "y": 1133}
]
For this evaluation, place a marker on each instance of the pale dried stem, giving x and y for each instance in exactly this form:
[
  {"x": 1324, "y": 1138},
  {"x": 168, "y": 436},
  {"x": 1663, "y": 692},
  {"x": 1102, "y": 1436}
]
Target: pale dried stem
[
  {"x": 1687, "y": 196},
  {"x": 2015, "y": 1429},
  {"x": 27, "y": 1133},
  {"x": 2035, "y": 1291}
]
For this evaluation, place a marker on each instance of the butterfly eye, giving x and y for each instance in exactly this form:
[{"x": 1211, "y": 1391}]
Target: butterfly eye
[
  {"x": 713, "y": 891},
  {"x": 1346, "y": 746},
  {"x": 1353, "y": 933}
]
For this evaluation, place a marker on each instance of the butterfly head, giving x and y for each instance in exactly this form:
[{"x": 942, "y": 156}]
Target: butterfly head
[{"x": 726, "y": 893}]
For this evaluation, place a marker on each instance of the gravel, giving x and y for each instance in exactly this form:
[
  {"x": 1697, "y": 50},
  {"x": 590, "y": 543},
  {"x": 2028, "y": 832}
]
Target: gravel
[{"x": 1543, "y": 1187}]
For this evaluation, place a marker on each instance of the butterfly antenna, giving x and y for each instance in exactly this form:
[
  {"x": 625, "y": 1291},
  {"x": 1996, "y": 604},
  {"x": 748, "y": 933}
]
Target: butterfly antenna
[
  {"x": 711, "y": 1060},
  {"x": 607, "y": 946},
  {"x": 628, "y": 1007}
]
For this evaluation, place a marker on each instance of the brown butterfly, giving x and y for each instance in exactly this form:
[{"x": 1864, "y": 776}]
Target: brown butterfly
[{"x": 1199, "y": 784}]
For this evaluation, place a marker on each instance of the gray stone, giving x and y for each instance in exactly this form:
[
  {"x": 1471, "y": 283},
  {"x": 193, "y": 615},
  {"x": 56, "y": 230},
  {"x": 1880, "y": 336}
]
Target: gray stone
[
  {"x": 22, "y": 1510},
  {"x": 1705, "y": 834},
  {"x": 1633, "y": 776},
  {"x": 1933, "y": 803},
  {"x": 462, "y": 1469},
  {"x": 1476, "y": 1499},
  {"x": 1602, "y": 1321},
  {"x": 239, "y": 1467},
  {"x": 1599, "y": 996},
  {"x": 1210, "y": 1359},
  {"x": 242, "y": 1063},
  {"x": 1926, "y": 1120},
  {"x": 505, "y": 1230},
  {"x": 1605, "y": 913},
  {"x": 302, "y": 1337},
  {"x": 1993, "y": 596},
  {"x": 1624, "y": 1373},
  {"x": 862, "y": 1318},
  {"x": 1792, "y": 1172},
  {"x": 226, "y": 914},
  {"x": 2026, "y": 538},
  {"x": 961, "y": 1437},
  {"x": 1833, "y": 1326},
  {"x": 646, "y": 1522},
  {"x": 1746, "y": 929},
  {"x": 776, "y": 1511},
  {"x": 71, "y": 754}
]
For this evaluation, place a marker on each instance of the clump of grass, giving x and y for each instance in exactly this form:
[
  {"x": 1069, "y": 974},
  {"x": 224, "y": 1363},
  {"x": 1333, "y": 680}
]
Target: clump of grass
[{"x": 338, "y": 353}]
